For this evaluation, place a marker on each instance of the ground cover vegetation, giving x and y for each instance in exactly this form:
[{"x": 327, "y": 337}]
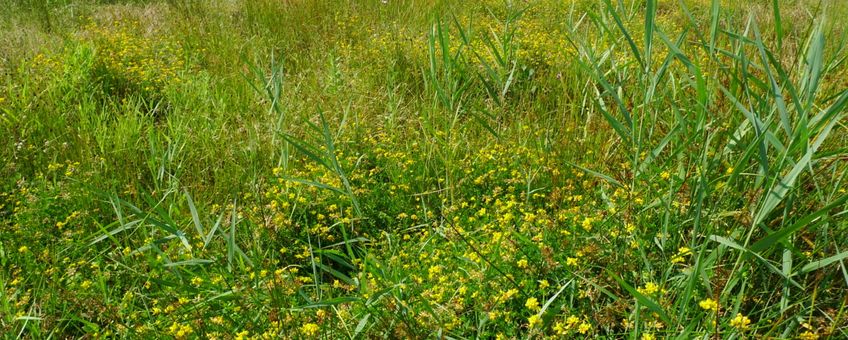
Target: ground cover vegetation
[{"x": 423, "y": 169}]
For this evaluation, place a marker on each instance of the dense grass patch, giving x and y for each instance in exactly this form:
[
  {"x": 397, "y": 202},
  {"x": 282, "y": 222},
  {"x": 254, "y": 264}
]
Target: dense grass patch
[{"x": 492, "y": 169}]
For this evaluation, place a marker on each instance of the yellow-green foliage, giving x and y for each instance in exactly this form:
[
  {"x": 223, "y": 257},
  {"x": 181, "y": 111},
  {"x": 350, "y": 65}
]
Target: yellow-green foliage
[
  {"x": 129, "y": 60},
  {"x": 492, "y": 169}
]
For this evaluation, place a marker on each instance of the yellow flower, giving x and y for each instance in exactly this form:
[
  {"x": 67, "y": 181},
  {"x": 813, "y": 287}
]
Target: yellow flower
[
  {"x": 571, "y": 261},
  {"x": 664, "y": 175},
  {"x": 508, "y": 294},
  {"x": 807, "y": 335},
  {"x": 85, "y": 284},
  {"x": 180, "y": 331},
  {"x": 649, "y": 288},
  {"x": 534, "y": 321},
  {"x": 23, "y": 249},
  {"x": 522, "y": 263},
  {"x": 493, "y": 315},
  {"x": 309, "y": 329},
  {"x": 560, "y": 328},
  {"x": 532, "y": 304},
  {"x": 740, "y": 322},
  {"x": 648, "y": 336},
  {"x": 709, "y": 304},
  {"x": 587, "y": 223},
  {"x": 584, "y": 327}
]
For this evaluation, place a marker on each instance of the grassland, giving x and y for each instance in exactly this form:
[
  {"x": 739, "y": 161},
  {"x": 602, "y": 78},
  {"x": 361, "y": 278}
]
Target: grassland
[{"x": 423, "y": 169}]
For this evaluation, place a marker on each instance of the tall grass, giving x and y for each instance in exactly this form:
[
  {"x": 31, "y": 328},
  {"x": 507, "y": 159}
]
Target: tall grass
[{"x": 594, "y": 168}]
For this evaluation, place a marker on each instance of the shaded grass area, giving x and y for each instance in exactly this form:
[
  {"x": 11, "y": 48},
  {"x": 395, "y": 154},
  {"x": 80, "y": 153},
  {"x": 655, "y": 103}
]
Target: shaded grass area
[{"x": 268, "y": 169}]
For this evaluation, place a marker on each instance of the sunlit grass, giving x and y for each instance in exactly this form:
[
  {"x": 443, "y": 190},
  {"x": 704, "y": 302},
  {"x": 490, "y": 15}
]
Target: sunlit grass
[{"x": 316, "y": 169}]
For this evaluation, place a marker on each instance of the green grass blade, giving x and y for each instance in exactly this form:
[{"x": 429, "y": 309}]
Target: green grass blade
[
  {"x": 642, "y": 299},
  {"x": 824, "y": 262}
]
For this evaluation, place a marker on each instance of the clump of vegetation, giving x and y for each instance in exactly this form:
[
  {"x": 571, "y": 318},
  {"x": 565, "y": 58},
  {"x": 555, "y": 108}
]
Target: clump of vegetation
[
  {"x": 129, "y": 62},
  {"x": 579, "y": 169}
]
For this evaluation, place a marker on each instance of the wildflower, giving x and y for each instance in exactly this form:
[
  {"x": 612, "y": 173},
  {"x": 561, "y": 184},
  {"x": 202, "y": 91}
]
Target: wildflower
[
  {"x": 493, "y": 315},
  {"x": 85, "y": 284},
  {"x": 807, "y": 335},
  {"x": 584, "y": 327},
  {"x": 508, "y": 295},
  {"x": 649, "y": 288},
  {"x": 497, "y": 236},
  {"x": 560, "y": 328},
  {"x": 180, "y": 331},
  {"x": 309, "y": 329},
  {"x": 709, "y": 304},
  {"x": 571, "y": 261},
  {"x": 543, "y": 284},
  {"x": 522, "y": 263},
  {"x": 532, "y": 304},
  {"x": 534, "y": 320},
  {"x": 740, "y": 322},
  {"x": 23, "y": 249},
  {"x": 664, "y": 175},
  {"x": 196, "y": 281},
  {"x": 681, "y": 254},
  {"x": 587, "y": 223},
  {"x": 648, "y": 336}
]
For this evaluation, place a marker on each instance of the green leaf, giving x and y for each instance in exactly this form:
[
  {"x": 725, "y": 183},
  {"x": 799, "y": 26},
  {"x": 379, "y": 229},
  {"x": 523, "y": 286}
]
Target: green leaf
[
  {"x": 642, "y": 299},
  {"x": 824, "y": 262},
  {"x": 714, "y": 16},
  {"x": 361, "y": 325},
  {"x": 782, "y": 234},
  {"x": 650, "y": 16},
  {"x": 597, "y": 174},
  {"x": 732, "y": 244},
  {"x": 620, "y": 24},
  {"x": 194, "y": 216},
  {"x": 192, "y": 262},
  {"x": 778, "y": 24}
]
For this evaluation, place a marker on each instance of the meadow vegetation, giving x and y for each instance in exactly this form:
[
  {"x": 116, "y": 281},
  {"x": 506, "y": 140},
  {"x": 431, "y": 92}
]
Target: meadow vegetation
[{"x": 423, "y": 169}]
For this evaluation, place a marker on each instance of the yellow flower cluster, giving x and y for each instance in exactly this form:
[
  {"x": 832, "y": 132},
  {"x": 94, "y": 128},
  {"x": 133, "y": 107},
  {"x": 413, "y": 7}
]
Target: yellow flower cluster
[
  {"x": 709, "y": 305},
  {"x": 132, "y": 61},
  {"x": 740, "y": 322}
]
